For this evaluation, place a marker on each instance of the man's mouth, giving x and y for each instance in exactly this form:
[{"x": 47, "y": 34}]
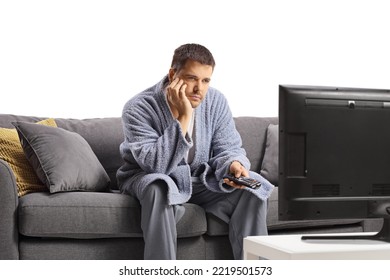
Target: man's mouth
[{"x": 195, "y": 97}]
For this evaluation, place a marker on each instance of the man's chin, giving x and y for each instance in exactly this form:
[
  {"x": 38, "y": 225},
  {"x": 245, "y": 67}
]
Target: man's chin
[{"x": 195, "y": 104}]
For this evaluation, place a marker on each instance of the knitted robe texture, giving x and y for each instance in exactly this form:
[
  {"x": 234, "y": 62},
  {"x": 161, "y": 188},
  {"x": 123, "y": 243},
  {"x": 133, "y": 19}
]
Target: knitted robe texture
[{"x": 154, "y": 147}]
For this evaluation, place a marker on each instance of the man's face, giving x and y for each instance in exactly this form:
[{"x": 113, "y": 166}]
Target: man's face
[{"x": 197, "y": 77}]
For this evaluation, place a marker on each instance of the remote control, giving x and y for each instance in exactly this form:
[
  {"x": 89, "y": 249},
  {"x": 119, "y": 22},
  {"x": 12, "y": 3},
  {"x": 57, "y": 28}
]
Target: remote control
[{"x": 245, "y": 181}]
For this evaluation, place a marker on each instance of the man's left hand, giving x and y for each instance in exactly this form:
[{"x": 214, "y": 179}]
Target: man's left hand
[{"x": 237, "y": 170}]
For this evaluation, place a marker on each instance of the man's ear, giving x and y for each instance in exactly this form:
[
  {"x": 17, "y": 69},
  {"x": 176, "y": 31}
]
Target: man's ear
[{"x": 171, "y": 74}]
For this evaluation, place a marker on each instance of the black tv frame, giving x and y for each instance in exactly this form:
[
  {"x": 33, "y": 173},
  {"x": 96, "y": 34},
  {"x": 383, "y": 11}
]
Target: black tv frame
[{"x": 334, "y": 150}]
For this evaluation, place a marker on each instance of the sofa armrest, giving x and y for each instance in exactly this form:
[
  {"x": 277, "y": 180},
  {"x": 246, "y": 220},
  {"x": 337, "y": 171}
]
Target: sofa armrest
[{"x": 8, "y": 214}]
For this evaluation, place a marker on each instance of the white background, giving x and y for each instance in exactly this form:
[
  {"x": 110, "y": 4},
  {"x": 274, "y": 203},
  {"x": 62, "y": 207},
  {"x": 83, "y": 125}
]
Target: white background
[
  {"x": 81, "y": 59},
  {"x": 281, "y": 270}
]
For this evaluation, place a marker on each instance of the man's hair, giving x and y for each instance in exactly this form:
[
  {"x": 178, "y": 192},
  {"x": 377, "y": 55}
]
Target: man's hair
[{"x": 194, "y": 52}]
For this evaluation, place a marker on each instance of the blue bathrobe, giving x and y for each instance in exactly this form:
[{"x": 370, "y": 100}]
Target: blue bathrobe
[{"x": 154, "y": 147}]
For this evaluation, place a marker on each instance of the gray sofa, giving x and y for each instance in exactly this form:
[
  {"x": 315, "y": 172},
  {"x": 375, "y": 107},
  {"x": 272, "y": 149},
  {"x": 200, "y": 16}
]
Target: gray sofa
[{"x": 106, "y": 224}]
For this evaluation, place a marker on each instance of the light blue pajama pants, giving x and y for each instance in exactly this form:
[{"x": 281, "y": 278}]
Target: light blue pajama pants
[{"x": 243, "y": 211}]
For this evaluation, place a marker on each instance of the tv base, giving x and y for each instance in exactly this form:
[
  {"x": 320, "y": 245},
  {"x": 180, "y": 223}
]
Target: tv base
[{"x": 382, "y": 235}]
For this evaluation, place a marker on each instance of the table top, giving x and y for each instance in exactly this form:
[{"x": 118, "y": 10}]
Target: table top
[{"x": 293, "y": 247}]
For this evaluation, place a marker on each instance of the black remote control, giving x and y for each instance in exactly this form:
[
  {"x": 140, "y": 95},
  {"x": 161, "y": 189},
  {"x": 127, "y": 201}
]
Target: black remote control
[{"x": 245, "y": 181}]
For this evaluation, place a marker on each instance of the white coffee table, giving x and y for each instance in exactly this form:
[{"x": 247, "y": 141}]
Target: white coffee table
[{"x": 291, "y": 247}]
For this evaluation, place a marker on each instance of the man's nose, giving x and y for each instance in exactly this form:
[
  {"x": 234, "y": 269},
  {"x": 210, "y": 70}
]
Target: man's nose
[{"x": 198, "y": 86}]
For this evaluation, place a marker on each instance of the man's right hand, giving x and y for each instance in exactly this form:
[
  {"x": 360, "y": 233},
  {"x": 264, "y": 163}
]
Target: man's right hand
[
  {"x": 180, "y": 105},
  {"x": 176, "y": 93}
]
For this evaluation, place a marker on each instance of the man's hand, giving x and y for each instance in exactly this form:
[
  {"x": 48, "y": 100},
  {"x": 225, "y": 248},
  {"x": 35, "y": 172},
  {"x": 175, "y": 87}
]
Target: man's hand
[
  {"x": 176, "y": 94},
  {"x": 237, "y": 170},
  {"x": 180, "y": 105}
]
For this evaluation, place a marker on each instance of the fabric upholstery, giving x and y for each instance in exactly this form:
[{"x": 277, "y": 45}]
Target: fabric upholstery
[
  {"x": 79, "y": 215},
  {"x": 8, "y": 213},
  {"x": 6, "y": 120},
  {"x": 63, "y": 160},
  {"x": 253, "y": 132},
  {"x": 270, "y": 164},
  {"x": 82, "y": 249},
  {"x": 11, "y": 152},
  {"x": 93, "y": 215},
  {"x": 104, "y": 135},
  {"x": 103, "y": 249}
]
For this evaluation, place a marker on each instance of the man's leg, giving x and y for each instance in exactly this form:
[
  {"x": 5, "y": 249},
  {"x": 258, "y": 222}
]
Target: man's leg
[
  {"x": 158, "y": 223},
  {"x": 248, "y": 219},
  {"x": 244, "y": 212}
]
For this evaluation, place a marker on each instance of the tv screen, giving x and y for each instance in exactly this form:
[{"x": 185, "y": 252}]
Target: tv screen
[{"x": 334, "y": 153}]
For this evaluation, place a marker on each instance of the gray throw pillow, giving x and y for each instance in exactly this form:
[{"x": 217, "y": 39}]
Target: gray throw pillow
[
  {"x": 270, "y": 165},
  {"x": 63, "y": 160}
]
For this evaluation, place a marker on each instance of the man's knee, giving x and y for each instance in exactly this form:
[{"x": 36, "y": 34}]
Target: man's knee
[{"x": 156, "y": 191}]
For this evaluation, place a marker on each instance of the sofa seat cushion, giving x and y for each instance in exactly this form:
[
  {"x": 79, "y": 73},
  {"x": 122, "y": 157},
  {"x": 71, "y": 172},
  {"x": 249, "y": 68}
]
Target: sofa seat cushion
[{"x": 90, "y": 215}]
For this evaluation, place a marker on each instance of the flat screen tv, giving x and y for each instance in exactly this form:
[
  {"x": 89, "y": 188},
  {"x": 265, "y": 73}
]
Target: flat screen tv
[{"x": 334, "y": 154}]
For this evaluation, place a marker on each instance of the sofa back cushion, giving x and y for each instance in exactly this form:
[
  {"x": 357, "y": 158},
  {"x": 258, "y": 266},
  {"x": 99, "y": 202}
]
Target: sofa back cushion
[
  {"x": 62, "y": 159},
  {"x": 12, "y": 153},
  {"x": 104, "y": 135},
  {"x": 7, "y": 119},
  {"x": 253, "y": 131},
  {"x": 270, "y": 164}
]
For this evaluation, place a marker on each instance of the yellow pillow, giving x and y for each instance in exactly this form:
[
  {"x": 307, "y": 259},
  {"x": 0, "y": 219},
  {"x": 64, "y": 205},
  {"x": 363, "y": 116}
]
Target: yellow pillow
[{"x": 11, "y": 152}]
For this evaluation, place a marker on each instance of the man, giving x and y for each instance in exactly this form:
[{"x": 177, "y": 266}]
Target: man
[{"x": 180, "y": 141}]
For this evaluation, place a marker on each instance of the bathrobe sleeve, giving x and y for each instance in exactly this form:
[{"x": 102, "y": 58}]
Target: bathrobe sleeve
[
  {"x": 226, "y": 145},
  {"x": 158, "y": 146}
]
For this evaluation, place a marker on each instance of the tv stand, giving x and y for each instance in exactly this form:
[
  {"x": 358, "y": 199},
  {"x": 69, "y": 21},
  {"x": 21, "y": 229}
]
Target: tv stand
[{"x": 382, "y": 235}]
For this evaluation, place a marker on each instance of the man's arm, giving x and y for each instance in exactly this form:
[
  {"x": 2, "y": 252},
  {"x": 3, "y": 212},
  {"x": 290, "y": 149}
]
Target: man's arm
[
  {"x": 155, "y": 148},
  {"x": 228, "y": 156},
  {"x": 180, "y": 105}
]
